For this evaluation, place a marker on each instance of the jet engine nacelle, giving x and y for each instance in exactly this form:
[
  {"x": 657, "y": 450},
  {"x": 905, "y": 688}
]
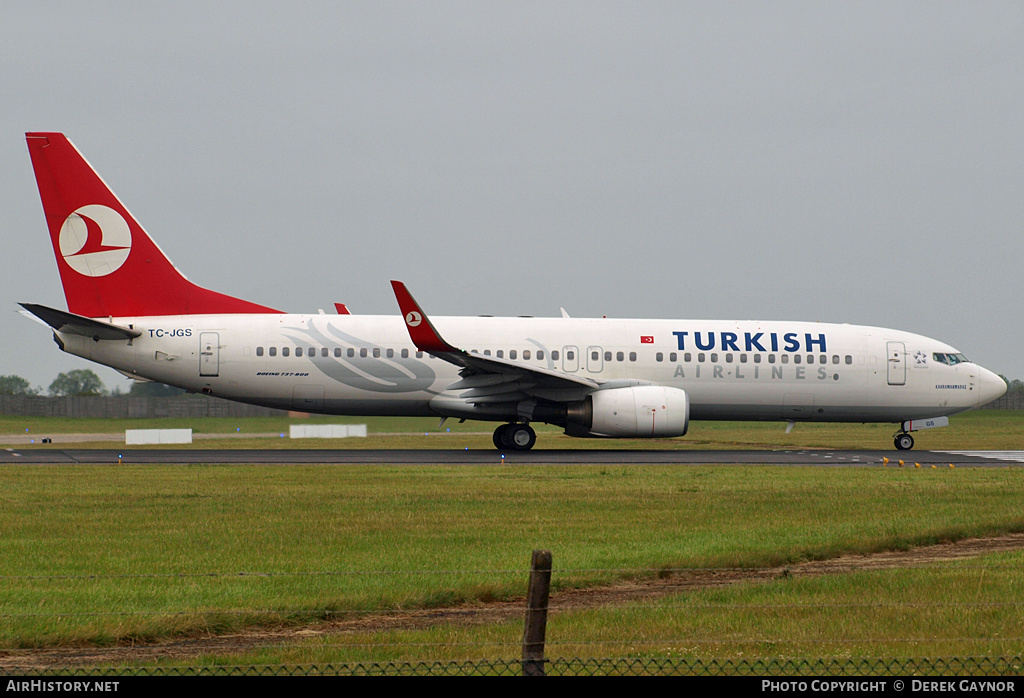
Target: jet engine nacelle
[{"x": 643, "y": 411}]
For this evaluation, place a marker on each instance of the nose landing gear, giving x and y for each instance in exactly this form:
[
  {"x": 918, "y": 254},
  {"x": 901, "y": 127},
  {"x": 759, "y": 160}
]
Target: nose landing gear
[
  {"x": 516, "y": 437},
  {"x": 903, "y": 441}
]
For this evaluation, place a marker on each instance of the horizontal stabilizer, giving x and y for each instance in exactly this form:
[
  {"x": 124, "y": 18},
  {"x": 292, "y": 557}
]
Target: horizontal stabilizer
[{"x": 63, "y": 321}]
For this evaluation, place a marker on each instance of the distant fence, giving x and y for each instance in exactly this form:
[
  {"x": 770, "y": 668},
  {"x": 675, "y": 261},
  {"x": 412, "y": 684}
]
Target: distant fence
[
  {"x": 1013, "y": 400},
  {"x": 135, "y": 407},
  {"x": 855, "y": 667},
  {"x": 194, "y": 405}
]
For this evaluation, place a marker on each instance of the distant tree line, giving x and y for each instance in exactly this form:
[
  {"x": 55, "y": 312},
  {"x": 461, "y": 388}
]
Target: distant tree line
[
  {"x": 16, "y": 385},
  {"x": 1015, "y": 386},
  {"x": 82, "y": 382}
]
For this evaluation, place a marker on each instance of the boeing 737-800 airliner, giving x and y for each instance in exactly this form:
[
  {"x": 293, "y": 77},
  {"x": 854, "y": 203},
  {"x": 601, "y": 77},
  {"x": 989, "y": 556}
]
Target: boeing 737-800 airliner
[{"x": 129, "y": 308}]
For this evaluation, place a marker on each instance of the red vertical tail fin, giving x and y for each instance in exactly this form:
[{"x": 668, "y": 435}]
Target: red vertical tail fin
[{"x": 108, "y": 264}]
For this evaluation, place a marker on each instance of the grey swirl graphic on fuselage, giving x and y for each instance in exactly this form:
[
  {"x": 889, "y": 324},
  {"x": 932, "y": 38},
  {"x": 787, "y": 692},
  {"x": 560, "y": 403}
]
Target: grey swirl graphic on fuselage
[
  {"x": 547, "y": 352},
  {"x": 373, "y": 374}
]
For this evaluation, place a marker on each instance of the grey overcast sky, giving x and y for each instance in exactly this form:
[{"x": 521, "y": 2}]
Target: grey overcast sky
[{"x": 848, "y": 162}]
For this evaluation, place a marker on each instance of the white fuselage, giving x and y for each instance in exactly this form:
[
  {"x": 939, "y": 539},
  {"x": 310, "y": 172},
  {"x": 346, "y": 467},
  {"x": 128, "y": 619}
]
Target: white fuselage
[{"x": 367, "y": 365}]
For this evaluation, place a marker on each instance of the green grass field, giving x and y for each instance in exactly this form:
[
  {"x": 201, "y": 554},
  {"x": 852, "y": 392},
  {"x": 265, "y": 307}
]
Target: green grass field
[
  {"x": 950, "y": 611},
  {"x": 113, "y": 555},
  {"x": 101, "y": 555}
]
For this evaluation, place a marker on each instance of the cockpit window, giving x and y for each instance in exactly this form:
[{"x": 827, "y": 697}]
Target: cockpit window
[{"x": 949, "y": 359}]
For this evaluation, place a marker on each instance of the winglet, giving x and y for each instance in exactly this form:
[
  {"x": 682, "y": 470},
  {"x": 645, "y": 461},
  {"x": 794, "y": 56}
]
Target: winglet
[{"x": 421, "y": 330}]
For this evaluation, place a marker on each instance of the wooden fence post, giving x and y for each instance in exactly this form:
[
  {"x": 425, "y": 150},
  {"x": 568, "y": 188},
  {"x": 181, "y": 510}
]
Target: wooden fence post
[{"x": 537, "y": 614}]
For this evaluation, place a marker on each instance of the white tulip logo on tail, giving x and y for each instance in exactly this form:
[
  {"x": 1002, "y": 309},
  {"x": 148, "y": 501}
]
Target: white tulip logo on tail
[{"x": 95, "y": 240}]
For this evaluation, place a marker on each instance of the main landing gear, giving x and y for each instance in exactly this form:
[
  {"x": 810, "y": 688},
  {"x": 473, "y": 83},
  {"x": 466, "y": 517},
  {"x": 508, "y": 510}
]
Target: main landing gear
[
  {"x": 903, "y": 441},
  {"x": 515, "y": 437}
]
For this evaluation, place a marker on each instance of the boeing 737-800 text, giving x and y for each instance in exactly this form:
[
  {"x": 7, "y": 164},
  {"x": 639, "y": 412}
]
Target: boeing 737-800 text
[{"x": 129, "y": 308}]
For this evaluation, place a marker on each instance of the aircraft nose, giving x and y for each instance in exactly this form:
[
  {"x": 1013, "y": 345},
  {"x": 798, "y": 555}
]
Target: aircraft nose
[{"x": 990, "y": 386}]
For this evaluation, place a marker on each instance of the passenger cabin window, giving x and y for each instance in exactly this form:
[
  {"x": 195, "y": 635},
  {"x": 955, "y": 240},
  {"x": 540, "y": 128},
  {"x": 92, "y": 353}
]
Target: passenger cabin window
[{"x": 259, "y": 351}]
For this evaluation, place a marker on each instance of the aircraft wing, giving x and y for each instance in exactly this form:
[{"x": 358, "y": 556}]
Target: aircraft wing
[{"x": 486, "y": 379}]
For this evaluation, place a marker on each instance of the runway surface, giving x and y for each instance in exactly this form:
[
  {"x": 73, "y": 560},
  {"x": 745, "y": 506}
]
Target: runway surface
[{"x": 493, "y": 457}]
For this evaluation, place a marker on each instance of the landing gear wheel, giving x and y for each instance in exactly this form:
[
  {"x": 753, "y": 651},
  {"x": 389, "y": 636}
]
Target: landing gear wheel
[
  {"x": 904, "y": 442},
  {"x": 499, "y": 436},
  {"x": 522, "y": 437},
  {"x": 516, "y": 437}
]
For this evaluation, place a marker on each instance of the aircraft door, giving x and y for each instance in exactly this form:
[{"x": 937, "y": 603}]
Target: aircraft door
[
  {"x": 209, "y": 354},
  {"x": 896, "y": 362},
  {"x": 595, "y": 359},
  {"x": 570, "y": 359}
]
